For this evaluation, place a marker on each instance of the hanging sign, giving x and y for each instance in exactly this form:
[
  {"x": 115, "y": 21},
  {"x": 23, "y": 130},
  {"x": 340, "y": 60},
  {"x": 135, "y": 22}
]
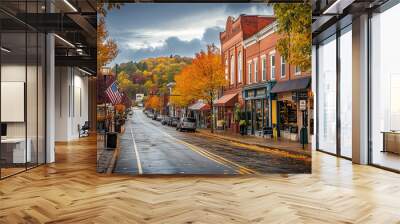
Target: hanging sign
[{"x": 303, "y": 105}]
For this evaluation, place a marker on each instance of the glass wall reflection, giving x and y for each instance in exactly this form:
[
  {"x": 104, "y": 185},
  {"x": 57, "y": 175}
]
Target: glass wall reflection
[
  {"x": 22, "y": 90},
  {"x": 327, "y": 95},
  {"x": 346, "y": 94},
  {"x": 385, "y": 92}
]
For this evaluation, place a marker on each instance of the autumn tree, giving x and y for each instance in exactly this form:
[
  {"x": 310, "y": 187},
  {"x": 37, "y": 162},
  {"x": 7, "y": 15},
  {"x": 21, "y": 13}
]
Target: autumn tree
[
  {"x": 107, "y": 49},
  {"x": 202, "y": 79},
  {"x": 153, "y": 102},
  {"x": 294, "y": 24}
]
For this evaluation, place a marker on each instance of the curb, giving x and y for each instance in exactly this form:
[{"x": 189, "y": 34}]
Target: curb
[{"x": 255, "y": 144}]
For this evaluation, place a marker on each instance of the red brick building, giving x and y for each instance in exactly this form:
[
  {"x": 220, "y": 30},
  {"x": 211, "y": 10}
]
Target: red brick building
[
  {"x": 273, "y": 89},
  {"x": 233, "y": 56},
  {"x": 268, "y": 89}
]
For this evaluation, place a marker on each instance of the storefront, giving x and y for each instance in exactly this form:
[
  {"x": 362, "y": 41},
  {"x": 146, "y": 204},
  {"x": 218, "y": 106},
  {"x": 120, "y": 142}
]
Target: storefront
[
  {"x": 225, "y": 111},
  {"x": 257, "y": 108},
  {"x": 290, "y": 117},
  {"x": 201, "y": 112}
]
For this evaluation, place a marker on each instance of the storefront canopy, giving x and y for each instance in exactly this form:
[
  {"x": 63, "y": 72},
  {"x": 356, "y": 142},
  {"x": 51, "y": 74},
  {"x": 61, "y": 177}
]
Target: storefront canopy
[
  {"x": 227, "y": 100},
  {"x": 291, "y": 85},
  {"x": 199, "y": 106}
]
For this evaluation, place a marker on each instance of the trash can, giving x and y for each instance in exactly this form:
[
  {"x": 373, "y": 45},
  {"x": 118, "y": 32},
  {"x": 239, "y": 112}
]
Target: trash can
[
  {"x": 111, "y": 140},
  {"x": 303, "y": 136}
]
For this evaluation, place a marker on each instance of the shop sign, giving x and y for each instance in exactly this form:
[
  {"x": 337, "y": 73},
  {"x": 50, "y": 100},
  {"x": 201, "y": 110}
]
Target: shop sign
[
  {"x": 260, "y": 92},
  {"x": 300, "y": 95},
  {"x": 303, "y": 105}
]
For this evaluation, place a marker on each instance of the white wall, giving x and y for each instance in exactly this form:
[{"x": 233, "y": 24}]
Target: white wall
[{"x": 71, "y": 103}]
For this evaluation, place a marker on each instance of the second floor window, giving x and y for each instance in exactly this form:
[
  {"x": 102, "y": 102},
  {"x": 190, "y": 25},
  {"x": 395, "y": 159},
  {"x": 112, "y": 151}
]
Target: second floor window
[
  {"x": 239, "y": 60},
  {"x": 232, "y": 69},
  {"x": 283, "y": 67},
  {"x": 297, "y": 70},
  {"x": 255, "y": 70},
  {"x": 272, "y": 61},
  {"x": 264, "y": 68},
  {"x": 226, "y": 68},
  {"x": 249, "y": 71}
]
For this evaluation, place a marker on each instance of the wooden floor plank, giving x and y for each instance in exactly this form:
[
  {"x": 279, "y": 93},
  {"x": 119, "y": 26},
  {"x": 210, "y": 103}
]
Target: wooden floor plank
[{"x": 70, "y": 191}]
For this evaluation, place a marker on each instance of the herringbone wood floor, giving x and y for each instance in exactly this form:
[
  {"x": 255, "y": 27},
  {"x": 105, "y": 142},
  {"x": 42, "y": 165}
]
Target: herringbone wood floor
[{"x": 70, "y": 191}]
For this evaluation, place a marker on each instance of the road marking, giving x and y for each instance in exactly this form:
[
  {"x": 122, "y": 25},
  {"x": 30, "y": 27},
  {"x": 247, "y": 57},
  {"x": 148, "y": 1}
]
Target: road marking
[
  {"x": 139, "y": 165},
  {"x": 216, "y": 158}
]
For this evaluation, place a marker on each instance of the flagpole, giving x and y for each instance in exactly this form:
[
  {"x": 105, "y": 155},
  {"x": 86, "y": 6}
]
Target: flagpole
[{"x": 115, "y": 111}]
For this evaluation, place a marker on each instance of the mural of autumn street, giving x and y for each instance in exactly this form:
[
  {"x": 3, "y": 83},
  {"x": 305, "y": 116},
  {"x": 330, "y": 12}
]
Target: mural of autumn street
[{"x": 214, "y": 89}]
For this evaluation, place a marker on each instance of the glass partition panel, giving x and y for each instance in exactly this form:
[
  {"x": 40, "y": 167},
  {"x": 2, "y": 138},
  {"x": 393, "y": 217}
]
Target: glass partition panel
[
  {"x": 327, "y": 95},
  {"x": 31, "y": 98},
  {"x": 15, "y": 151}
]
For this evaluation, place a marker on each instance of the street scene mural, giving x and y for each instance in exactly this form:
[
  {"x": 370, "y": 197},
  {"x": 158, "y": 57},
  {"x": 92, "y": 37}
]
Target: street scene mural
[{"x": 215, "y": 89}]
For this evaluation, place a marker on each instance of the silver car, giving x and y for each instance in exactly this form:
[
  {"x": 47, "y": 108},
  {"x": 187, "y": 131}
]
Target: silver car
[{"x": 186, "y": 123}]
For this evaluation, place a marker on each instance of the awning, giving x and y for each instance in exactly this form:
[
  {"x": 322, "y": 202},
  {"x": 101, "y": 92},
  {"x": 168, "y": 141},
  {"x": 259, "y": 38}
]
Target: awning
[
  {"x": 291, "y": 85},
  {"x": 199, "y": 106},
  {"x": 227, "y": 100}
]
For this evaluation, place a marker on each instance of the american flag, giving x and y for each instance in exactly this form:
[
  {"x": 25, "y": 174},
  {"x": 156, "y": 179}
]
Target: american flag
[{"x": 113, "y": 93}]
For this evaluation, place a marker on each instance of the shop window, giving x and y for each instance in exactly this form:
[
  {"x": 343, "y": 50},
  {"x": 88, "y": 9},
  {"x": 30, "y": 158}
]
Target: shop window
[
  {"x": 272, "y": 61},
  {"x": 264, "y": 68},
  {"x": 283, "y": 67}
]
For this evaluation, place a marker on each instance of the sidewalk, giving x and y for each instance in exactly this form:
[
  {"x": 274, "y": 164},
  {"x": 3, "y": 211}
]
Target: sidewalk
[{"x": 283, "y": 145}]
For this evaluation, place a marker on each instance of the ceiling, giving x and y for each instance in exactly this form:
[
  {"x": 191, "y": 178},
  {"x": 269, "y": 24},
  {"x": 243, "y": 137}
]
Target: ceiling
[{"x": 73, "y": 22}]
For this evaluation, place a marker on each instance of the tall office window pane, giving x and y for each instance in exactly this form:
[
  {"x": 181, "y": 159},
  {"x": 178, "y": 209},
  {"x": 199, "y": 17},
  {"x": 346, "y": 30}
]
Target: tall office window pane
[
  {"x": 327, "y": 96},
  {"x": 346, "y": 93},
  {"x": 41, "y": 99},
  {"x": 31, "y": 97},
  {"x": 385, "y": 92}
]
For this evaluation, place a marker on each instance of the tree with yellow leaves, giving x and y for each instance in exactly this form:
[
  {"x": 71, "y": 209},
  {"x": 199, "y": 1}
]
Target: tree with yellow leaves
[{"x": 294, "y": 24}]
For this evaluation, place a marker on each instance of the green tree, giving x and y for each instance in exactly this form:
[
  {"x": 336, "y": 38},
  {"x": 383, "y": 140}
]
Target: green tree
[{"x": 294, "y": 24}]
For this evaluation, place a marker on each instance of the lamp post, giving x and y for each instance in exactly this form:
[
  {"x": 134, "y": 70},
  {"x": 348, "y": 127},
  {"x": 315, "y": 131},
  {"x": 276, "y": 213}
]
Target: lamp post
[{"x": 105, "y": 71}]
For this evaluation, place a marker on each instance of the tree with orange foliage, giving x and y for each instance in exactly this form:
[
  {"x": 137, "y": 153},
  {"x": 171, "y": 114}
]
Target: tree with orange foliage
[
  {"x": 201, "y": 80},
  {"x": 107, "y": 49},
  {"x": 153, "y": 102}
]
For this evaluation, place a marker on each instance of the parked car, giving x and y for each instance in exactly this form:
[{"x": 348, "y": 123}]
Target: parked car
[
  {"x": 186, "y": 123},
  {"x": 165, "y": 120},
  {"x": 155, "y": 116},
  {"x": 159, "y": 117},
  {"x": 173, "y": 121}
]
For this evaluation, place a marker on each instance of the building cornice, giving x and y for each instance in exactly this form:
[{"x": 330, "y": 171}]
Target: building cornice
[{"x": 266, "y": 31}]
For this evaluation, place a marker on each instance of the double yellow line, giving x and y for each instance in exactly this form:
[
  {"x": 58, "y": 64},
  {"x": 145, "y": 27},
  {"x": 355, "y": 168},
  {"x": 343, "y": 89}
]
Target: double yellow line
[
  {"x": 219, "y": 159},
  {"x": 216, "y": 158}
]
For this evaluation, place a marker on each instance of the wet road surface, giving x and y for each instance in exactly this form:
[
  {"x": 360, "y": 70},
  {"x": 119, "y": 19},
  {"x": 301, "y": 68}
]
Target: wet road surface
[{"x": 147, "y": 147}]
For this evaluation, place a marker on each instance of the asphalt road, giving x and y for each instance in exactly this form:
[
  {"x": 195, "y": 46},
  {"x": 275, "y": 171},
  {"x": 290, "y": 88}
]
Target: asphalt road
[{"x": 147, "y": 147}]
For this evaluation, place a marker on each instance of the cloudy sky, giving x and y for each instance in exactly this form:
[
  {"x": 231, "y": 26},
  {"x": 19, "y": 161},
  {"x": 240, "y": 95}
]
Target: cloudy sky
[{"x": 152, "y": 30}]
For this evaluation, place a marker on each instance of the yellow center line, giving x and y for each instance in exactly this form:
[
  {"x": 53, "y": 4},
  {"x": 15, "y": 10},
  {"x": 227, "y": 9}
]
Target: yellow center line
[{"x": 216, "y": 158}]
